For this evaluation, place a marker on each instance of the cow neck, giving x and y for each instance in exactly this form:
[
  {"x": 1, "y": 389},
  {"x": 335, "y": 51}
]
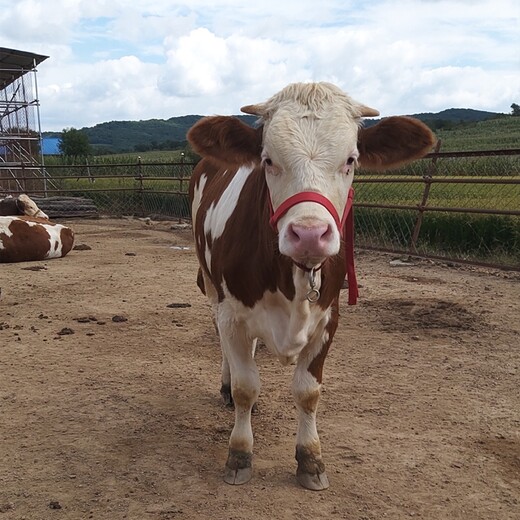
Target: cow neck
[{"x": 345, "y": 226}]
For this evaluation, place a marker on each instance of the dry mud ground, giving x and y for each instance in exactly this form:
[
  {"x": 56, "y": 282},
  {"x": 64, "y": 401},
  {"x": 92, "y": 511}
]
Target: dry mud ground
[{"x": 420, "y": 414}]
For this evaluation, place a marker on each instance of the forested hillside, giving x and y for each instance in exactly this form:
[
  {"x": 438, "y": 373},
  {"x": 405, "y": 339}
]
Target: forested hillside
[{"x": 459, "y": 129}]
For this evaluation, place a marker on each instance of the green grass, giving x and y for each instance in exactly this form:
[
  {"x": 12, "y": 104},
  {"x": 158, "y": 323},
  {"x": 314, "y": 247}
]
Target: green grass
[{"x": 481, "y": 238}]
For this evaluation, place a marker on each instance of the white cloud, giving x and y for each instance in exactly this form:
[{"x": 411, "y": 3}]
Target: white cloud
[
  {"x": 156, "y": 58},
  {"x": 203, "y": 64}
]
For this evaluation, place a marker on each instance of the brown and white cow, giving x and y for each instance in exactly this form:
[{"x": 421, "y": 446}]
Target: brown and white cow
[
  {"x": 25, "y": 239},
  {"x": 268, "y": 209},
  {"x": 21, "y": 205}
]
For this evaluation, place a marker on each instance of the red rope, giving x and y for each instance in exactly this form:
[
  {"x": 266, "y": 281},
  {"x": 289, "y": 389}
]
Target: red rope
[
  {"x": 348, "y": 237},
  {"x": 345, "y": 226}
]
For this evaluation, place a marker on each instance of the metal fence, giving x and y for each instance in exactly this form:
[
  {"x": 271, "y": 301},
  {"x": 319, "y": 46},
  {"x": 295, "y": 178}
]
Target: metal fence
[
  {"x": 461, "y": 206},
  {"x": 452, "y": 205}
]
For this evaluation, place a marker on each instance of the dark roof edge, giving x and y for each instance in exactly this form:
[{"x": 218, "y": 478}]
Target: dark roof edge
[{"x": 23, "y": 58}]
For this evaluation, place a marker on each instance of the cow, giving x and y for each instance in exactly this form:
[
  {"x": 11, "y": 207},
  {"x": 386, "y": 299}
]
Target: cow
[
  {"x": 21, "y": 205},
  {"x": 270, "y": 206},
  {"x": 25, "y": 239}
]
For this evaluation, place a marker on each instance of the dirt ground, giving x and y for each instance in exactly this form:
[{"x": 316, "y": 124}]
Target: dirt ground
[{"x": 110, "y": 406}]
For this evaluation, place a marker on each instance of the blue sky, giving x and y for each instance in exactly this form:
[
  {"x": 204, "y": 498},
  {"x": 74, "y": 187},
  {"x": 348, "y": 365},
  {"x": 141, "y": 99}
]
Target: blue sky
[{"x": 121, "y": 60}]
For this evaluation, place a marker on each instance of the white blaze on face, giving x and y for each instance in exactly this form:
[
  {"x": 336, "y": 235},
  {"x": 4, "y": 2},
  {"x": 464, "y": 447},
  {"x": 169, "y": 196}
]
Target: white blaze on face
[{"x": 310, "y": 153}]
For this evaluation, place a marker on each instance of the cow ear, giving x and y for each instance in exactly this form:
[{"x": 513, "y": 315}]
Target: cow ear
[
  {"x": 226, "y": 139},
  {"x": 393, "y": 142}
]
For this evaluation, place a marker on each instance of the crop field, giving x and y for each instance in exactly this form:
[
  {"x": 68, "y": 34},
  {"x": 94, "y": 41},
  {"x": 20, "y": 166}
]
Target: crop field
[{"x": 493, "y": 134}]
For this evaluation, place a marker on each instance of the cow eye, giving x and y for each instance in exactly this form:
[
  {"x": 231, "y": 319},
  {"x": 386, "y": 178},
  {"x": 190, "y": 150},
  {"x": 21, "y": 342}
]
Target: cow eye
[
  {"x": 270, "y": 167},
  {"x": 351, "y": 161}
]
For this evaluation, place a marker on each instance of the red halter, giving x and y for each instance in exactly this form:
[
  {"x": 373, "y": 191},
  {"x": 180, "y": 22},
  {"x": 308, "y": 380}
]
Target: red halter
[{"x": 345, "y": 226}]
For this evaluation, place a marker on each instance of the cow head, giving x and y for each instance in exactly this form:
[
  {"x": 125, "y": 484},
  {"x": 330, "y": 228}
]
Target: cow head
[
  {"x": 28, "y": 207},
  {"x": 310, "y": 139}
]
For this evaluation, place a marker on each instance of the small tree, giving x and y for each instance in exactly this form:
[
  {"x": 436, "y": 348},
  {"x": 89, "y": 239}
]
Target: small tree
[
  {"x": 515, "y": 110},
  {"x": 74, "y": 143}
]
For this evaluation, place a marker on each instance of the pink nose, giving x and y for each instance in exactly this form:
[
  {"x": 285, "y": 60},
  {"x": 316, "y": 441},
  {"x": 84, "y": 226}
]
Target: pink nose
[{"x": 310, "y": 239}]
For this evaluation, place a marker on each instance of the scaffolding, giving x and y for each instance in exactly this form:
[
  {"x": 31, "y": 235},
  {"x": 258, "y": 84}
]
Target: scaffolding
[{"x": 21, "y": 156}]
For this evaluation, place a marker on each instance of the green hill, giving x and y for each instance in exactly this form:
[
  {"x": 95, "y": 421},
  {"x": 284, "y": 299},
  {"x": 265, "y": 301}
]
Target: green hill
[
  {"x": 124, "y": 136},
  {"x": 459, "y": 129},
  {"x": 457, "y": 115}
]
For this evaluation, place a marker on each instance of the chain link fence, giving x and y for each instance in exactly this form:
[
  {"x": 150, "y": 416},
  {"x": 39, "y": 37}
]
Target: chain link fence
[
  {"x": 460, "y": 206},
  {"x": 155, "y": 190},
  {"x": 456, "y": 206}
]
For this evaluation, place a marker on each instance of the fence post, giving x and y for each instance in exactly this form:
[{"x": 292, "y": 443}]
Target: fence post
[
  {"x": 422, "y": 205},
  {"x": 181, "y": 185},
  {"x": 141, "y": 183}
]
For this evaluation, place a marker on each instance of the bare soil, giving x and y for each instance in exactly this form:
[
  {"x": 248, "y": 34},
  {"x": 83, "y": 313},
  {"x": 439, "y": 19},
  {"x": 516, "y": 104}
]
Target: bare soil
[{"x": 110, "y": 409}]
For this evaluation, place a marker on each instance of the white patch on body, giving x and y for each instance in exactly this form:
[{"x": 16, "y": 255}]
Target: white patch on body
[
  {"x": 197, "y": 195},
  {"x": 287, "y": 327},
  {"x": 219, "y": 213},
  {"x": 55, "y": 250},
  {"x": 5, "y": 222}
]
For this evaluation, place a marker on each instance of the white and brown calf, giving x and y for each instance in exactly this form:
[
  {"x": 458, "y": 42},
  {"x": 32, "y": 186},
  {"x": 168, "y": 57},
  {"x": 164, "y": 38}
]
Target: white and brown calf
[
  {"x": 268, "y": 209},
  {"x": 26, "y": 239},
  {"x": 21, "y": 205}
]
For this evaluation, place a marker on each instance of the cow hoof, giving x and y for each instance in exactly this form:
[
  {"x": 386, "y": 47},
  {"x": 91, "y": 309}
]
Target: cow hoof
[
  {"x": 314, "y": 482},
  {"x": 239, "y": 467},
  {"x": 237, "y": 477},
  {"x": 311, "y": 470}
]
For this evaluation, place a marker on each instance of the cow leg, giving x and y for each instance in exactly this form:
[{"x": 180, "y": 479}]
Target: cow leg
[
  {"x": 207, "y": 288},
  {"x": 225, "y": 388},
  {"x": 306, "y": 391},
  {"x": 245, "y": 387}
]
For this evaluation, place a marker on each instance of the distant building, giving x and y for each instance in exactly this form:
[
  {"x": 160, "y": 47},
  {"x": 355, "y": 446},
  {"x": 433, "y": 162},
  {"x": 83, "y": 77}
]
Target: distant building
[{"x": 50, "y": 145}]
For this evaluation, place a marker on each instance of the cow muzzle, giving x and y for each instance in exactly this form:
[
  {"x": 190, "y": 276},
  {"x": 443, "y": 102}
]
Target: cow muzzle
[{"x": 309, "y": 241}]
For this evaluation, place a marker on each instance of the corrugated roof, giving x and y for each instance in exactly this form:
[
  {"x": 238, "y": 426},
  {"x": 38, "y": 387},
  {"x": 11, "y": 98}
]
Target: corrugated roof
[{"x": 14, "y": 63}]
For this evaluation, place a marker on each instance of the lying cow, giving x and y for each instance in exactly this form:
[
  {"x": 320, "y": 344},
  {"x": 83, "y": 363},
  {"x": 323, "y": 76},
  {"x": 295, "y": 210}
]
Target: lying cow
[
  {"x": 21, "y": 205},
  {"x": 269, "y": 208},
  {"x": 25, "y": 239}
]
